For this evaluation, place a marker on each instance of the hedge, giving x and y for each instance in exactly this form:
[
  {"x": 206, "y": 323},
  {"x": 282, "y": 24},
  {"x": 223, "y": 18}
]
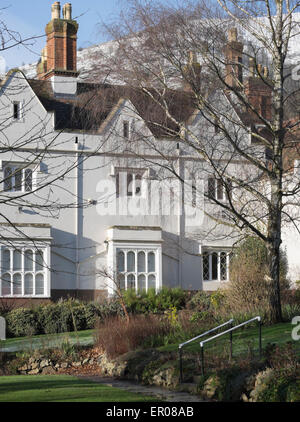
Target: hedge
[{"x": 68, "y": 315}]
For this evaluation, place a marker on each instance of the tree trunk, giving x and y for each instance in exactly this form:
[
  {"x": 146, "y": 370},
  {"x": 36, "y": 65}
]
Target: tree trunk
[{"x": 273, "y": 279}]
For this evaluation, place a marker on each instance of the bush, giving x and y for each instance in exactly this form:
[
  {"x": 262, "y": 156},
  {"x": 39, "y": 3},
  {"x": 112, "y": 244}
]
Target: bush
[
  {"x": 115, "y": 336},
  {"x": 281, "y": 381},
  {"x": 276, "y": 386},
  {"x": 200, "y": 302},
  {"x": 22, "y": 322},
  {"x": 152, "y": 302},
  {"x": 248, "y": 290}
]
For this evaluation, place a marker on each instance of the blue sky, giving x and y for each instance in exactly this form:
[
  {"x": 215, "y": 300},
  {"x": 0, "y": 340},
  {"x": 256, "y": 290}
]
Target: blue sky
[{"x": 30, "y": 17}]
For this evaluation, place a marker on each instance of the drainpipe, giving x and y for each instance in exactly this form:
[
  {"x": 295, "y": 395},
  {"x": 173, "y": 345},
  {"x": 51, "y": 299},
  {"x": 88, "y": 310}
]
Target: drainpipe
[
  {"x": 78, "y": 211},
  {"x": 181, "y": 216}
]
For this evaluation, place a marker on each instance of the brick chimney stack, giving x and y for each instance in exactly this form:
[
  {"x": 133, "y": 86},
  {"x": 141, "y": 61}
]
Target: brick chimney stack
[
  {"x": 258, "y": 90},
  {"x": 59, "y": 59},
  {"x": 234, "y": 60}
]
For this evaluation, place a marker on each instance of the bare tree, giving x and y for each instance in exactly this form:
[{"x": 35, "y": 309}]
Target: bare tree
[{"x": 244, "y": 99}]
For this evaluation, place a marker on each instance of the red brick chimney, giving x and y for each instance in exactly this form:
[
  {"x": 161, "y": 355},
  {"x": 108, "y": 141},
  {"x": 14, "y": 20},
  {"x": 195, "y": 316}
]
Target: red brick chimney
[
  {"x": 259, "y": 91},
  {"x": 233, "y": 60},
  {"x": 59, "y": 58}
]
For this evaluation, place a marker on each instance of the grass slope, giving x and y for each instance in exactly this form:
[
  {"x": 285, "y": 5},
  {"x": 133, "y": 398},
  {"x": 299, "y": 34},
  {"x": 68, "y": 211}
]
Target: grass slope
[
  {"x": 62, "y": 388},
  {"x": 278, "y": 333},
  {"x": 85, "y": 337}
]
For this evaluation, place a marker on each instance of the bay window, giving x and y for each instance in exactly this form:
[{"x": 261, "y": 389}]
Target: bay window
[
  {"x": 137, "y": 269},
  {"x": 23, "y": 272}
]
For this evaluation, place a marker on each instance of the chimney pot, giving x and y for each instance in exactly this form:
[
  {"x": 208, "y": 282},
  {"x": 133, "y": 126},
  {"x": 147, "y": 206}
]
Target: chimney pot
[
  {"x": 265, "y": 72},
  {"x": 251, "y": 67},
  {"x": 56, "y": 10},
  {"x": 67, "y": 11},
  {"x": 259, "y": 69},
  {"x": 232, "y": 34}
]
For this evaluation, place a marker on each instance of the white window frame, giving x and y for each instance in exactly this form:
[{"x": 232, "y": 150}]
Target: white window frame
[
  {"x": 136, "y": 273},
  {"x": 15, "y": 167},
  {"x": 125, "y": 172},
  {"x": 19, "y": 104},
  {"x": 217, "y": 182},
  {"x": 126, "y": 128},
  {"x": 210, "y": 253},
  {"x": 23, "y": 272}
]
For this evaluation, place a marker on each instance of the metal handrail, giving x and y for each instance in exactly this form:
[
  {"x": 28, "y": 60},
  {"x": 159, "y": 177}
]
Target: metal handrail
[
  {"x": 230, "y": 321},
  {"x": 258, "y": 318},
  {"x": 180, "y": 347}
]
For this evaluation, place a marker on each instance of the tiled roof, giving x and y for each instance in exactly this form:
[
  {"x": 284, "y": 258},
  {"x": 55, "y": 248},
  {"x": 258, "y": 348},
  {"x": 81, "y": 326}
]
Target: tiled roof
[{"x": 93, "y": 103}]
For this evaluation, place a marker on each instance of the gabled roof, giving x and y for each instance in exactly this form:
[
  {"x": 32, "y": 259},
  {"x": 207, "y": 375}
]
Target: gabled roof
[{"x": 94, "y": 102}]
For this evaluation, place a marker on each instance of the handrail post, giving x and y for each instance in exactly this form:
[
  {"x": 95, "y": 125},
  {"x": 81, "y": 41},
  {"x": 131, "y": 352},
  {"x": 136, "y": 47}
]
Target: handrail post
[
  {"x": 260, "y": 339},
  {"x": 202, "y": 359},
  {"x": 180, "y": 366},
  {"x": 230, "y": 337}
]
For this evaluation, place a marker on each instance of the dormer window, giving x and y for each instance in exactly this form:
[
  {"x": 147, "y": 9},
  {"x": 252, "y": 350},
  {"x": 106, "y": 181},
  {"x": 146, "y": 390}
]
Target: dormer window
[{"x": 17, "y": 110}]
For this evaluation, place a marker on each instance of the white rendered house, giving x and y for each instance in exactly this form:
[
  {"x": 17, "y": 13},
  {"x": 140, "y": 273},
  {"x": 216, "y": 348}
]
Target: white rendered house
[{"x": 84, "y": 203}]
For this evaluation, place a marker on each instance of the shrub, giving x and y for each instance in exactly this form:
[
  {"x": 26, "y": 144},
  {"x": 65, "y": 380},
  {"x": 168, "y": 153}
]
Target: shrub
[
  {"x": 248, "y": 289},
  {"x": 22, "y": 322},
  {"x": 55, "y": 318},
  {"x": 115, "y": 337},
  {"x": 145, "y": 302},
  {"x": 200, "y": 302},
  {"x": 290, "y": 310},
  {"x": 276, "y": 386}
]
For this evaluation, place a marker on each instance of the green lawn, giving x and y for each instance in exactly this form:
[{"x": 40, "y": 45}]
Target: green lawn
[
  {"x": 62, "y": 388},
  {"x": 85, "y": 337},
  {"x": 278, "y": 333}
]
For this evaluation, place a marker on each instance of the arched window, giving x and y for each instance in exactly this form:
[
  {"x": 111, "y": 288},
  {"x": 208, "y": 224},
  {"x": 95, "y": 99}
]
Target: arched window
[
  {"x": 151, "y": 282},
  {"x": 39, "y": 260},
  {"x": 131, "y": 281},
  {"x": 121, "y": 281},
  {"x": 17, "y": 261},
  {"x": 28, "y": 260},
  {"x": 17, "y": 284},
  {"x": 121, "y": 261},
  {"x": 39, "y": 284},
  {"x": 5, "y": 260},
  {"x": 151, "y": 262},
  {"x": 141, "y": 262},
  {"x": 28, "y": 289},
  {"x": 141, "y": 282},
  {"x": 6, "y": 284},
  {"x": 131, "y": 261}
]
